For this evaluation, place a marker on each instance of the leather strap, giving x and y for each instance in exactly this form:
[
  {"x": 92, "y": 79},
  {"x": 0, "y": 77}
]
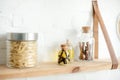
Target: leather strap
[
  {"x": 95, "y": 31},
  {"x": 105, "y": 33}
]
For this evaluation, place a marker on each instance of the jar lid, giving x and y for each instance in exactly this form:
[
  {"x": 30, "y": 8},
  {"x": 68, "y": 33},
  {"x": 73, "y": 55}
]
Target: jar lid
[
  {"x": 85, "y": 29},
  {"x": 22, "y": 36},
  {"x": 64, "y": 46}
]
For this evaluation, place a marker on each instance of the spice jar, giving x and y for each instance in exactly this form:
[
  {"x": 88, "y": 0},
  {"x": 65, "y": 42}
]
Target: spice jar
[
  {"x": 86, "y": 44},
  {"x": 63, "y": 55},
  {"x": 21, "y": 50}
]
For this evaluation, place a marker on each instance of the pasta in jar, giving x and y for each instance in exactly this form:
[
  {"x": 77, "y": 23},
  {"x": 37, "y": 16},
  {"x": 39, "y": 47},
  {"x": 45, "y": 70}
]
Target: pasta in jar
[{"x": 21, "y": 52}]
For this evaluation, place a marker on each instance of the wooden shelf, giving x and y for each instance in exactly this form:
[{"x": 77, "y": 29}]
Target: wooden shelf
[{"x": 44, "y": 69}]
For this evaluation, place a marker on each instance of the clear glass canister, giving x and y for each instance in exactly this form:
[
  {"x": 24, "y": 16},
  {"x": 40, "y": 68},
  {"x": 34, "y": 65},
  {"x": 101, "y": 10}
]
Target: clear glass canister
[
  {"x": 86, "y": 44},
  {"x": 21, "y": 50}
]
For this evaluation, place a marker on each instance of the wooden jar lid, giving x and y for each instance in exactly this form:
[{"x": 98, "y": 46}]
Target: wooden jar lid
[
  {"x": 86, "y": 29},
  {"x": 64, "y": 46}
]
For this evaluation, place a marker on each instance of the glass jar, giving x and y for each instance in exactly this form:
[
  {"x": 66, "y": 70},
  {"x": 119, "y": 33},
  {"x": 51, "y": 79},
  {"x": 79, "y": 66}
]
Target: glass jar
[
  {"x": 63, "y": 55},
  {"x": 21, "y": 50},
  {"x": 86, "y": 44},
  {"x": 70, "y": 50}
]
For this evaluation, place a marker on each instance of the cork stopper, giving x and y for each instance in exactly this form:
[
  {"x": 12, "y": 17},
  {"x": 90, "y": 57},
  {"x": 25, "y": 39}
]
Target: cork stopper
[
  {"x": 85, "y": 29},
  {"x": 64, "y": 46}
]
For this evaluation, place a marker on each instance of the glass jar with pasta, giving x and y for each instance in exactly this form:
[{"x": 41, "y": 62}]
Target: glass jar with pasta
[{"x": 21, "y": 50}]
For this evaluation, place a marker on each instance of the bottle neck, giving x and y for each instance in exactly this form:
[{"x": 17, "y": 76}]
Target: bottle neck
[
  {"x": 86, "y": 34},
  {"x": 85, "y": 37}
]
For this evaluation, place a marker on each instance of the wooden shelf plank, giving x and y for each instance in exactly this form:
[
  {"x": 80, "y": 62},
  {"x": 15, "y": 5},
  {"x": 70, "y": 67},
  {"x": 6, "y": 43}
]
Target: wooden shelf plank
[{"x": 44, "y": 69}]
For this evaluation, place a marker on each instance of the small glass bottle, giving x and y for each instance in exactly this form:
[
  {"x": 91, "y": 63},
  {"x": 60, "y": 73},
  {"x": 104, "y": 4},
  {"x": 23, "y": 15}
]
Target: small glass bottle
[
  {"x": 21, "y": 50},
  {"x": 86, "y": 44},
  {"x": 63, "y": 55},
  {"x": 70, "y": 50}
]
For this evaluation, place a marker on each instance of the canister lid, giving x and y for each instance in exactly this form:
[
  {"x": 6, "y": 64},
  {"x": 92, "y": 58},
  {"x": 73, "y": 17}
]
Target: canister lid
[
  {"x": 22, "y": 36},
  {"x": 64, "y": 46},
  {"x": 85, "y": 29}
]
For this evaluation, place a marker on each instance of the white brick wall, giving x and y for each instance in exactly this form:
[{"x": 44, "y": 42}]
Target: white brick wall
[{"x": 55, "y": 21}]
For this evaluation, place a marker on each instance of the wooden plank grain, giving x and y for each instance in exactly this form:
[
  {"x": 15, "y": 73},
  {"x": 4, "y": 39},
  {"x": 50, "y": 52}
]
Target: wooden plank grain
[{"x": 45, "y": 69}]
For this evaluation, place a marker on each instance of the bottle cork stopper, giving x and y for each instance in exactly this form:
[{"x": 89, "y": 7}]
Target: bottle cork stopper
[
  {"x": 64, "y": 46},
  {"x": 85, "y": 29}
]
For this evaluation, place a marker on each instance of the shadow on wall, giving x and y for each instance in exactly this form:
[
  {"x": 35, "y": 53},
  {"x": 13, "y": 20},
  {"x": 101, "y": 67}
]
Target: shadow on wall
[{"x": 2, "y": 48}]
